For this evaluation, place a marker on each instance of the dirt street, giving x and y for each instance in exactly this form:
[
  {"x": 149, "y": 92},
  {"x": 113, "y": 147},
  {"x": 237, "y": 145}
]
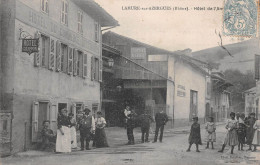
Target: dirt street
[{"x": 171, "y": 151}]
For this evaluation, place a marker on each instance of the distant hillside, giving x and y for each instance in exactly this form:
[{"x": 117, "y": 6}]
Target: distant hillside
[{"x": 243, "y": 53}]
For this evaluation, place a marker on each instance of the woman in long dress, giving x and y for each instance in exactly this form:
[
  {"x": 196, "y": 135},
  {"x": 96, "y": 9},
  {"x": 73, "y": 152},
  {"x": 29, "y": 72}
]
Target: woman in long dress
[
  {"x": 100, "y": 135},
  {"x": 256, "y": 140},
  {"x": 73, "y": 131},
  {"x": 63, "y": 141},
  {"x": 231, "y": 136}
]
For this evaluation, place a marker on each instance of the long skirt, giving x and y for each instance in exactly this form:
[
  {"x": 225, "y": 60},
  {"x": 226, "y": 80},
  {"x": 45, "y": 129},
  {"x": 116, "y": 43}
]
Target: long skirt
[
  {"x": 256, "y": 140},
  {"x": 63, "y": 142},
  {"x": 231, "y": 138},
  {"x": 100, "y": 138},
  {"x": 73, "y": 134}
]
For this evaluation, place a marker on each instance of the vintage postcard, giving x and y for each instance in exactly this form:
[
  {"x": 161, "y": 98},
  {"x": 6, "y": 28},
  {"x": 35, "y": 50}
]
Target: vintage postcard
[{"x": 142, "y": 82}]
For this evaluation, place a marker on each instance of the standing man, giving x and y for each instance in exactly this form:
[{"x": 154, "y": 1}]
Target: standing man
[
  {"x": 127, "y": 112},
  {"x": 145, "y": 120},
  {"x": 86, "y": 127},
  {"x": 161, "y": 119},
  {"x": 130, "y": 125}
]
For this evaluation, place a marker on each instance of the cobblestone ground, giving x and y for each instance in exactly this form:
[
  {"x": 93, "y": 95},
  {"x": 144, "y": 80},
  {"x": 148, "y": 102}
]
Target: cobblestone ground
[{"x": 172, "y": 151}]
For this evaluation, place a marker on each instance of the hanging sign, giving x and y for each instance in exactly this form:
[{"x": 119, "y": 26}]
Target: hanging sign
[{"x": 30, "y": 45}]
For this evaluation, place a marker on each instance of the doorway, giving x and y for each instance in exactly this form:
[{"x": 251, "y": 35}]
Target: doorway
[
  {"x": 193, "y": 104},
  {"x": 43, "y": 114}
]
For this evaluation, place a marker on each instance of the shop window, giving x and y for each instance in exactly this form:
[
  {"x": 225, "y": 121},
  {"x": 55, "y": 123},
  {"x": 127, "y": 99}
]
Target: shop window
[
  {"x": 45, "y": 44},
  {"x": 64, "y": 57},
  {"x": 80, "y": 19},
  {"x": 96, "y": 32},
  {"x": 45, "y": 6},
  {"x": 64, "y": 12}
]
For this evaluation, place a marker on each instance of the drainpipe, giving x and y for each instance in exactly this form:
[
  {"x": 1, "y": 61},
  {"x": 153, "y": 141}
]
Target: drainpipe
[{"x": 25, "y": 133}]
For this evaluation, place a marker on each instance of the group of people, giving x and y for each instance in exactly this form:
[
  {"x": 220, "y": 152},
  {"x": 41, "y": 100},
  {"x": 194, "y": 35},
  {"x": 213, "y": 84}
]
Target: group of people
[
  {"x": 145, "y": 120},
  {"x": 90, "y": 128},
  {"x": 240, "y": 130}
]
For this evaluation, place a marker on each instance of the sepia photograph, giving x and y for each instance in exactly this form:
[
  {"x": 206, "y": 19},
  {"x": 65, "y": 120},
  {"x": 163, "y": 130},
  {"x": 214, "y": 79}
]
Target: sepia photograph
[{"x": 129, "y": 82}]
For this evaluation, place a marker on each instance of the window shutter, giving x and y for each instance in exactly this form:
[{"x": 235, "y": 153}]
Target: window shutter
[
  {"x": 70, "y": 61},
  {"x": 85, "y": 66},
  {"x": 35, "y": 114},
  {"x": 75, "y": 62},
  {"x": 37, "y": 55},
  {"x": 92, "y": 68},
  {"x": 53, "y": 117},
  {"x": 58, "y": 56},
  {"x": 100, "y": 70},
  {"x": 52, "y": 54},
  {"x": 96, "y": 32}
]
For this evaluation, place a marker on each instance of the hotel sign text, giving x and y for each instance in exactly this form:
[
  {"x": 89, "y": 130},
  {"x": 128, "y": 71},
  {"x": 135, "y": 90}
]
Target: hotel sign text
[{"x": 30, "y": 45}]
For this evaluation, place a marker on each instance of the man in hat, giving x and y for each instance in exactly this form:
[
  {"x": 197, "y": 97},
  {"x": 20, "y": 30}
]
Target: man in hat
[
  {"x": 145, "y": 120},
  {"x": 161, "y": 119},
  {"x": 86, "y": 127}
]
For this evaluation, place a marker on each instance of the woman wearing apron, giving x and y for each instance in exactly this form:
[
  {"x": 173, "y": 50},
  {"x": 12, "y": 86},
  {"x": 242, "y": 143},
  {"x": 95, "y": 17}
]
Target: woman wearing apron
[{"x": 63, "y": 142}]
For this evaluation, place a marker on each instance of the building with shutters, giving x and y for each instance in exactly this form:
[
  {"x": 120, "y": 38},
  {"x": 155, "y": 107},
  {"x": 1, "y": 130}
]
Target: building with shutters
[{"x": 65, "y": 73}]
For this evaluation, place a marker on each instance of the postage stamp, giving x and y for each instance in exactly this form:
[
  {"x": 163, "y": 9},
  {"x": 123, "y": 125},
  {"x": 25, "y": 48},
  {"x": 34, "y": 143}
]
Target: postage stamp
[{"x": 240, "y": 18}]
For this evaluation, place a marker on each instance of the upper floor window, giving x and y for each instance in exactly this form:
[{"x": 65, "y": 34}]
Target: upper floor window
[
  {"x": 45, "y": 6},
  {"x": 64, "y": 12},
  {"x": 96, "y": 32},
  {"x": 45, "y": 46},
  {"x": 64, "y": 57},
  {"x": 80, "y": 18}
]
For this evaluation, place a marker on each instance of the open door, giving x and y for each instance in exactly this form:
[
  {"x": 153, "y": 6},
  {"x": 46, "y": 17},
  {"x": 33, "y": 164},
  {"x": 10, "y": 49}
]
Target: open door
[{"x": 35, "y": 114}]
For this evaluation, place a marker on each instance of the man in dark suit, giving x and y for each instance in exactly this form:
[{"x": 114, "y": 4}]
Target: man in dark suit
[
  {"x": 86, "y": 128},
  {"x": 161, "y": 119},
  {"x": 145, "y": 120}
]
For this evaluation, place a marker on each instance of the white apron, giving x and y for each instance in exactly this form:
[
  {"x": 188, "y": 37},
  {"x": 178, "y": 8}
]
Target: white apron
[
  {"x": 63, "y": 142},
  {"x": 73, "y": 134}
]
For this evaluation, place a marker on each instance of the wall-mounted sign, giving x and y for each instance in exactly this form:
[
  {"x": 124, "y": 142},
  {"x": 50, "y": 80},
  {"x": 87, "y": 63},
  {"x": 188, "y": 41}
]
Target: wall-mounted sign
[
  {"x": 30, "y": 45},
  {"x": 138, "y": 53}
]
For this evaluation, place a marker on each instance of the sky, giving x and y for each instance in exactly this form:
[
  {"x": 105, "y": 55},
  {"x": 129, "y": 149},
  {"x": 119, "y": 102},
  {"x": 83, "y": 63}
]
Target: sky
[{"x": 170, "y": 29}]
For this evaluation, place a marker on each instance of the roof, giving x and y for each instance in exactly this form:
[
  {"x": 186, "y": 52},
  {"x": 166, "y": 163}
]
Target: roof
[
  {"x": 179, "y": 54},
  {"x": 110, "y": 49},
  {"x": 251, "y": 90},
  {"x": 97, "y": 12}
]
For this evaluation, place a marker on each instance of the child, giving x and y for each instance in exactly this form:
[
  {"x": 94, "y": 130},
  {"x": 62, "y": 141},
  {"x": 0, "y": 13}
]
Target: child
[
  {"x": 256, "y": 140},
  {"x": 195, "y": 134},
  {"x": 241, "y": 131},
  {"x": 210, "y": 132},
  {"x": 231, "y": 137}
]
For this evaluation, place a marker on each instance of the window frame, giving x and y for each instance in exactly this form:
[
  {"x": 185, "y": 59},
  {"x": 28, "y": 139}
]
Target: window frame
[
  {"x": 80, "y": 22},
  {"x": 96, "y": 32},
  {"x": 64, "y": 64},
  {"x": 45, "y": 10},
  {"x": 47, "y": 51},
  {"x": 64, "y": 13}
]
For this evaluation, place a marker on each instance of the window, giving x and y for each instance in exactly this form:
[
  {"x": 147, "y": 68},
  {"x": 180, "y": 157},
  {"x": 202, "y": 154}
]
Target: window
[
  {"x": 64, "y": 12},
  {"x": 70, "y": 61},
  {"x": 64, "y": 57},
  {"x": 80, "y": 64},
  {"x": 80, "y": 18},
  {"x": 45, "y": 6},
  {"x": 85, "y": 65},
  {"x": 96, "y": 32},
  {"x": 96, "y": 69},
  {"x": 44, "y": 50}
]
